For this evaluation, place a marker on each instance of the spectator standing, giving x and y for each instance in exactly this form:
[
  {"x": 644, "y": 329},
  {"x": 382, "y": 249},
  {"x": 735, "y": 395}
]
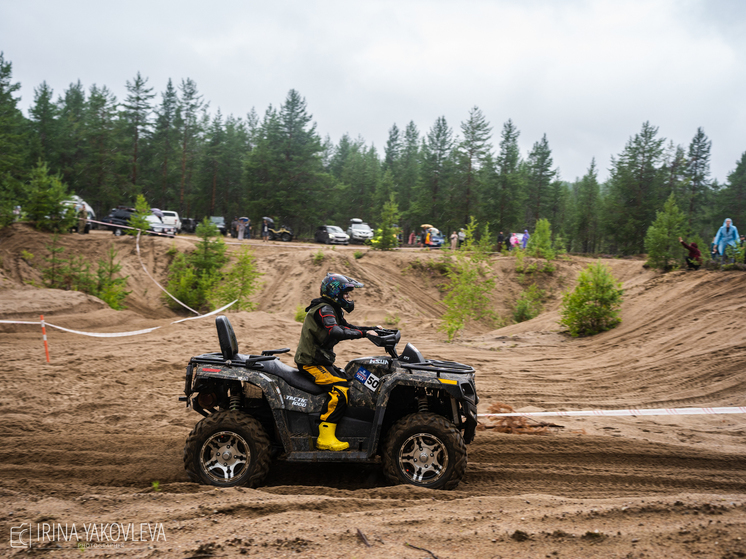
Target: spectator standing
[
  {"x": 454, "y": 240},
  {"x": 694, "y": 259},
  {"x": 500, "y": 241},
  {"x": 526, "y": 237},
  {"x": 265, "y": 231},
  {"x": 412, "y": 238},
  {"x": 726, "y": 236},
  {"x": 241, "y": 229},
  {"x": 514, "y": 242},
  {"x": 461, "y": 237}
]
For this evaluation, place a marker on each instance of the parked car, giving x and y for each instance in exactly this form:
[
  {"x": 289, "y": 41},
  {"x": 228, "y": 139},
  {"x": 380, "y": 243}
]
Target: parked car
[
  {"x": 120, "y": 217},
  {"x": 220, "y": 222},
  {"x": 359, "y": 231},
  {"x": 172, "y": 219},
  {"x": 436, "y": 238},
  {"x": 189, "y": 225},
  {"x": 76, "y": 203},
  {"x": 331, "y": 234}
]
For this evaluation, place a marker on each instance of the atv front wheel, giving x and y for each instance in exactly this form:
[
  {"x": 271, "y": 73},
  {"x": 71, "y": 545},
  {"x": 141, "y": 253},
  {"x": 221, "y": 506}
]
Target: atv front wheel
[
  {"x": 287, "y": 237},
  {"x": 226, "y": 449},
  {"x": 426, "y": 450}
]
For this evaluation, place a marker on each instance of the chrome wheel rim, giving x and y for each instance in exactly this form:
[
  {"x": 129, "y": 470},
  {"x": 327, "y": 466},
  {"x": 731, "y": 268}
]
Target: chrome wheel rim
[
  {"x": 225, "y": 456},
  {"x": 423, "y": 458}
]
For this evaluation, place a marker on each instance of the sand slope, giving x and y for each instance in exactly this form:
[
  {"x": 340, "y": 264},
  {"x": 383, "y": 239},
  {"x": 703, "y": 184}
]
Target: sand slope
[{"x": 84, "y": 437}]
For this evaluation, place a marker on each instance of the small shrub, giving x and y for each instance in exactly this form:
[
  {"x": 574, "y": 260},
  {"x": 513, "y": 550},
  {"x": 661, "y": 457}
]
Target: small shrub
[
  {"x": 318, "y": 258},
  {"x": 139, "y": 219},
  {"x": 392, "y": 320},
  {"x": 300, "y": 313},
  {"x": 27, "y": 256},
  {"x": 540, "y": 243},
  {"x": 528, "y": 304},
  {"x": 238, "y": 284},
  {"x": 519, "y": 256},
  {"x": 593, "y": 306},
  {"x": 358, "y": 254},
  {"x": 662, "y": 238},
  {"x": 548, "y": 268}
]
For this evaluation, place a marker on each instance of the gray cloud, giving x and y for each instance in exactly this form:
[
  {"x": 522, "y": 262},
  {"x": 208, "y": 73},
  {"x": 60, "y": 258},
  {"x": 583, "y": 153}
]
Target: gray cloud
[{"x": 586, "y": 73}]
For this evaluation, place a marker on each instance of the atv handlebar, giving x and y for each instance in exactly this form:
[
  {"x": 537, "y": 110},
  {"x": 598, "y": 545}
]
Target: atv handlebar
[{"x": 386, "y": 339}]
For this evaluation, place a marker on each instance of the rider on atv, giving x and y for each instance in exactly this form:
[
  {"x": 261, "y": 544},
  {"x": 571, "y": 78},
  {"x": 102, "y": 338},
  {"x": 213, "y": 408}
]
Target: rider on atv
[{"x": 323, "y": 328}]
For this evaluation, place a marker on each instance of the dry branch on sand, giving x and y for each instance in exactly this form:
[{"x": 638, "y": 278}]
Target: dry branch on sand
[{"x": 515, "y": 425}]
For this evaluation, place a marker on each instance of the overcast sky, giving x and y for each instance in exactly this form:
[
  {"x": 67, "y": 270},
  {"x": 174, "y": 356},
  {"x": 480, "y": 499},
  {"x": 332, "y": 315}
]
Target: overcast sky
[{"x": 586, "y": 73}]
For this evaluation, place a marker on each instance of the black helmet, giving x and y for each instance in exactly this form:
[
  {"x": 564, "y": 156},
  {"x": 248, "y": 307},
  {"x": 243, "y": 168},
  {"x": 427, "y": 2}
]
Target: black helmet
[{"x": 334, "y": 286}]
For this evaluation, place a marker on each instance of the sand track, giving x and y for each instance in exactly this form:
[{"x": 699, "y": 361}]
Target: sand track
[{"x": 84, "y": 437}]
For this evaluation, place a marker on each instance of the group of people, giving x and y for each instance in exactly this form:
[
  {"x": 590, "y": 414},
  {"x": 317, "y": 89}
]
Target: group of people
[
  {"x": 727, "y": 236},
  {"x": 511, "y": 241},
  {"x": 241, "y": 226}
]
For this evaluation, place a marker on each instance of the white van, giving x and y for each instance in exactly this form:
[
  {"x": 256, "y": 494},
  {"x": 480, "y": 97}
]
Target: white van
[{"x": 172, "y": 219}]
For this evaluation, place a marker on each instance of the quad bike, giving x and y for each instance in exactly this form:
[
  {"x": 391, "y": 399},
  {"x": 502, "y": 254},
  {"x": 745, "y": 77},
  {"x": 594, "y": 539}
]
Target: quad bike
[
  {"x": 416, "y": 414},
  {"x": 284, "y": 233}
]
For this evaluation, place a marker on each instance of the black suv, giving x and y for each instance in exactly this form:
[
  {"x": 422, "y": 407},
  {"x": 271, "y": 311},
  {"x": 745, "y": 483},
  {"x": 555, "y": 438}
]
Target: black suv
[
  {"x": 120, "y": 217},
  {"x": 219, "y": 221}
]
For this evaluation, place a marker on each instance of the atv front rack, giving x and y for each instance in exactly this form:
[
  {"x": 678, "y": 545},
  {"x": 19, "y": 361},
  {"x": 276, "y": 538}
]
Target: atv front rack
[{"x": 438, "y": 367}]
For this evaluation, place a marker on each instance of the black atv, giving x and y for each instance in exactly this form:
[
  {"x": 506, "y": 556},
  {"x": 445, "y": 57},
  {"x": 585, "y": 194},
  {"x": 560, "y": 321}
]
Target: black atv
[{"x": 416, "y": 414}]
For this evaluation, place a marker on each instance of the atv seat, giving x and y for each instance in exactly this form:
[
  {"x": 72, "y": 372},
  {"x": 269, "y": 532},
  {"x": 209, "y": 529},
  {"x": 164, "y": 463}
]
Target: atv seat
[
  {"x": 273, "y": 366},
  {"x": 292, "y": 376}
]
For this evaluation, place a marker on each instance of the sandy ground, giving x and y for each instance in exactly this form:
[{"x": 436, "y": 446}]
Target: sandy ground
[{"x": 84, "y": 438}]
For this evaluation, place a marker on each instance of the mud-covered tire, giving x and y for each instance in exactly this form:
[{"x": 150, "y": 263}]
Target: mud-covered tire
[
  {"x": 240, "y": 443},
  {"x": 426, "y": 450},
  {"x": 287, "y": 237}
]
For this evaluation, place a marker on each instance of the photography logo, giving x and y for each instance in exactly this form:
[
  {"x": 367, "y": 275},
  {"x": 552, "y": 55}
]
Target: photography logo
[
  {"x": 85, "y": 535},
  {"x": 20, "y": 536}
]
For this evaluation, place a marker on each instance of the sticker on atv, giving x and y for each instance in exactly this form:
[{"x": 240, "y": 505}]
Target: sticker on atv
[{"x": 369, "y": 380}]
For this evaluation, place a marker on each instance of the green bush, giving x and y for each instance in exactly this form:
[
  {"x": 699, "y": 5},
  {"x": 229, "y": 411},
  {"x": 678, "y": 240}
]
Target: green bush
[
  {"x": 358, "y": 254},
  {"x": 385, "y": 237},
  {"x": 139, "y": 219},
  {"x": 44, "y": 205},
  {"x": 300, "y": 313},
  {"x": 662, "y": 238},
  {"x": 593, "y": 306},
  {"x": 467, "y": 296},
  {"x": 528, "y": 304},
  {"x": 540, "y": 243},
  {"x": 318, "y": 257},
  {"x": 240, "y": 283},
  {"x": 193, "y": 278}
]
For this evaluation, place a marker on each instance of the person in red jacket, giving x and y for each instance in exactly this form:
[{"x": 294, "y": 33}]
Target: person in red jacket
[{"x": 694, "y": 260}]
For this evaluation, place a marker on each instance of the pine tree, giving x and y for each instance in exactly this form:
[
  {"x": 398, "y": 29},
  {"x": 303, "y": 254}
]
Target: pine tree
[
  {"x": 72, "y": 109},
  {"x": 190, "y": 104},
  {"x": 585, "y": 224},
  {"x": 392, "y": 152},
  {"x": 137, "y": 109},
  {"x": 698, "y": 173},
  {"x": 505, "y": 183},
  {"x": 13, "y": 131},
  {"x": 539, "y": 181},
  {"x": 164, "y": 146},
  {"x": 635, "y": 187},
  {"x": 437, "y": 173},
  {"x": 472, "y": 153},
  {"x": 662, "y": 238},
  {"x": 43, "y": 116},
  {"x": 731, "y": 200}
]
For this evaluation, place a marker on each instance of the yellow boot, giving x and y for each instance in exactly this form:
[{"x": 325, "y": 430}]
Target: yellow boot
[{"x": 327, "y": 438}]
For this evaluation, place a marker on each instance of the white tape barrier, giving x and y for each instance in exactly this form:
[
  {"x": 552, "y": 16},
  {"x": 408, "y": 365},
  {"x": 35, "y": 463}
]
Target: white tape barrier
[
  {"x": 111, "y": 226},
  {"x": 116, "y": 334},
  {"x": 621, "y": 413},
  {"x": 221, "y": 309},
  {"x": 94, "y": 334},
  {"x": 137, "y": 246}
]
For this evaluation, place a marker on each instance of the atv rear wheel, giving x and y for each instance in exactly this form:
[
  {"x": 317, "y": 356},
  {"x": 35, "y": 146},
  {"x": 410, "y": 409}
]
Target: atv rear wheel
[
  {"x": 226, "y": 449},
  {"x": 426, "y": 450},
  {"x": 287, "y": 237}
]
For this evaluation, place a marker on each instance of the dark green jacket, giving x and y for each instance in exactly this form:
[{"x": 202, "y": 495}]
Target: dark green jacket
[{"x": 323, "y": 328}]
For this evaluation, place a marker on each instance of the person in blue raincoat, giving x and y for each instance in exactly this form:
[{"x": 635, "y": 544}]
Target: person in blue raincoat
[
  {"x": 726, "y": 236},
  {"x": 526, "y": 237}
]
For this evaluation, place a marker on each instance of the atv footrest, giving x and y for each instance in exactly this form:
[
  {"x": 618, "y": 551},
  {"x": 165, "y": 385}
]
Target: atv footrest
[{"x": 328, "y": 456}]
